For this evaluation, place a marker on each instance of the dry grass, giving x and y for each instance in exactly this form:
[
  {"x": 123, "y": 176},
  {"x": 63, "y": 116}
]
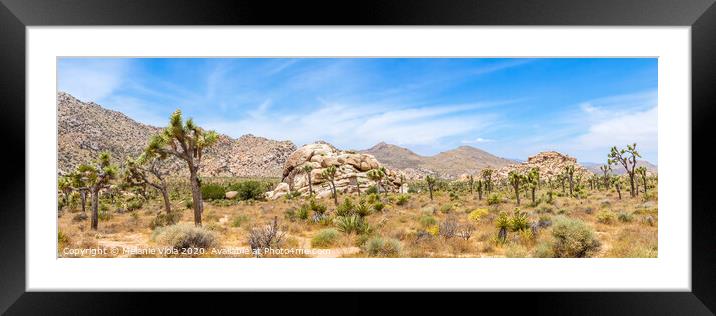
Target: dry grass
[{"x": 411, "y": 224}]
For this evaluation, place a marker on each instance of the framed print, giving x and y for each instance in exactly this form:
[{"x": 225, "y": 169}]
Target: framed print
[{"x": 491, "y": 147}]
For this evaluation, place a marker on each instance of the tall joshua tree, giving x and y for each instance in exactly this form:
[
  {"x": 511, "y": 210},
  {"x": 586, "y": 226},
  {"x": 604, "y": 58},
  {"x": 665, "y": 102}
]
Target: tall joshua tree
[
  {"x": 64, "y": 186},
  {"x": 146, "y": 170},
  {"x": 94, "y": 177},
  {"x": 186, "y": 141},
  {"x": 307, "y": 170},
  {"x": 470, "y": 182},
  {"x": 627, "y": 158},
  {"x": 569, "y": 173},
  {"x": 480, "y": 188},
  {"x": 330, "y": 175},
  {"x": 487, "y": 178},
  {"x": 516, "y": 179},
  {"x": 430, "y": 180},
  {"x": 641, "y": 171},
  {"x": 605, "y": 170},
  {"x": 533, "y": 182}
]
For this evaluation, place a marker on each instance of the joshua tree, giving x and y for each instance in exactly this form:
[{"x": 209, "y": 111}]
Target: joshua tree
[
  {"x": 627, "y": 158},
  {"x": 617, "y": 182},
  {"x": 330, "y": 175},
  {"x": 64, "y": 185},
  {"x": 470, "y": 182},
  {"x": 605, "y": 170},
  {"x": 562, "y": 177},
  {"x": 515, "y": 179},
  {"x": 641, "y": 171},
  {"x": 94, "y": 177},
  {"x": 377, "y": 175},
  {"x": 431, "y": 182},
  {"x": 480, "y": 187},
  {"x": 487, "y": 179},
  {"x": 186, "y": 141},
  {"x": 146, "y": 170},
  {"x": 533, "y": 182},
  {"x": 502, "y": 222},
  {"x": 569, "y": 173},
  {"x": 307, "y": 170}
]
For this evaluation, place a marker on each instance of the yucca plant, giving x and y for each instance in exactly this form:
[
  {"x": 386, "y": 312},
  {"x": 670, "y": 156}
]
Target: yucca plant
[
  {"x": 351, "y": 224},
  {"x": 519, "y": 221},
  {"x": 503, "y": 223}
]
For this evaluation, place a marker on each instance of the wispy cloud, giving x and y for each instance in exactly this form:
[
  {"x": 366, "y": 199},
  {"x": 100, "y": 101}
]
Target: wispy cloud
[
  {"x": 478, "y": 140},
  {"x": 91, "y": 79}
]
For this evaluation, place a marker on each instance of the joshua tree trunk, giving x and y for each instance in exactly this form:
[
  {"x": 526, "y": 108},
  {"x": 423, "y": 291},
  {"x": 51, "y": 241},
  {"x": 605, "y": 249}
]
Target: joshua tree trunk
[
  {"x": 165, "y": 196},
  {"x": 643, "y": 178},
  {"x": 95, "y": 208},
  {"x": 517, "y": 192},
  {"x": 619, "y": 190},
  {"x": 633, "y": 185},
  {"x": 430, "y": 189},
  {"x": 571, "y": 186},
  {"x": 196, "y": 196},
  {"x": 335, "y": 195},
  {"x": 533, "y": 196},
  {"x": 479, "y": 195},
  {"x": 502, "y": 235},
  {"x": 563, "y": 189}
]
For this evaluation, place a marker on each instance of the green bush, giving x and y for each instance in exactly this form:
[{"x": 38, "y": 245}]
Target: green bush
[
  {"x": 346, "y": 208},
  {"x": 372, "y": 190},
  {"x": 516, "y": 251},
  {"x": 185, "y": 236},
  {"x": 351, "y": 224},
  {"x": 606, "y": 217},
  {"x": 249, "y": 190},
  {"x": 573, "y": 239},
  {"x": 302, "y": 212},
  {"x": 494, "y": 198},
  {"x": 380, "y": 247},
  {"x": 325, "y": 238},
  {"x": 543, "y": 250},
  {"x": 446, "y": 208},
  {"x": 134, "y": 204},
  {"x": 427, "y": 221},
  {"x": 477, "y": 215},
  {"x": 402, "y": 199},
  {"x": 210, "y": 191},
  {"x": 625, "y": 217},
  {"x": 317, "y": 207},
  {"x": 378, "y": 206}
]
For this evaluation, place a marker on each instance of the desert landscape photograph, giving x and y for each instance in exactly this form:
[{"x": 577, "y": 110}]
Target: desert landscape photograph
[{"x": 357, "y": 158}]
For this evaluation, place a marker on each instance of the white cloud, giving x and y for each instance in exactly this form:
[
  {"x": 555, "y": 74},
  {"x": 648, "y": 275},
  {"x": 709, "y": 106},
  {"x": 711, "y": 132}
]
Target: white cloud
[
  {"x": 477, "y": 141},
  {"x": 91, "y": 80}
]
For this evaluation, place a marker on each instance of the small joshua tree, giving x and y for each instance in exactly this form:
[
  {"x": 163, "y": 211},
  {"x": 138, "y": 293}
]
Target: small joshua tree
[
  {"x": 627, "y": 158},
  {"x": 562, "y": 178},
  {"x": 431, "y": 183},
  {"x": 64, "y": 186},
  {"x": 487, "y": 179},
  {"x": 480, "y": 188},
  {"x": 533, "y": 182},
  {"x": 307, "y": 170},
  {"x": 146, "y": 170},
  {"x": 503, "y": 223},
  {"x": 516, "y": 179},
  {"x": 95, "y": 177},
  {"x": 617, "y": 181},
  {"x": 377, "y": 175},
  {"x": 186, "y": 141},
  {"x": 470, "y": 182},
  {"x": 641, "y": 171},
  {"x": 569, "y": 173},
  {"x": 330, "y": 175},
  {"x": 605, "y": 170}
]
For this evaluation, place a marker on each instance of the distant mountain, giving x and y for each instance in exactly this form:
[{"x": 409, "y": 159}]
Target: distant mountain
[
  {"x": 448, "y": 164},
  {"x": 85, "y": 129},
  {"x": 618, "y": 169}
]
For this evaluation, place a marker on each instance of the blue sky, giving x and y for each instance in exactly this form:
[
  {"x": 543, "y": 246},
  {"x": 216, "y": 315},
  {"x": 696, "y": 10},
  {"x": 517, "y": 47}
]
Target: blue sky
[{"x": 512, "y": 108}]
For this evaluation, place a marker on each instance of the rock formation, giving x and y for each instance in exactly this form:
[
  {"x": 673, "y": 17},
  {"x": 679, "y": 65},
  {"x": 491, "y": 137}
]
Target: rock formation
[
  {"x": 351, "y": 172},
  {"x": 550, "y": 164}
]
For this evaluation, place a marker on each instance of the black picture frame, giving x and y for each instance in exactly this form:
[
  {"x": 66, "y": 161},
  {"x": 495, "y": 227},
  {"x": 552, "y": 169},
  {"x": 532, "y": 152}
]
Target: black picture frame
[{"x": 16, "y": 15}]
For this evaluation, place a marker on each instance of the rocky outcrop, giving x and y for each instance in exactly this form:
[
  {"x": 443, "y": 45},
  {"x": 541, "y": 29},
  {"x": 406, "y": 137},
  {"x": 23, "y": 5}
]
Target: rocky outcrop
[
  {"x": 550, "y": 165},
  {"x": 351, "y": 172}
]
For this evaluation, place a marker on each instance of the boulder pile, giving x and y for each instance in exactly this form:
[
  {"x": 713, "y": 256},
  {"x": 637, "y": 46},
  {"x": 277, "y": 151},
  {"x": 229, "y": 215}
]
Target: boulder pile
[{"x": 351, "y": 172}]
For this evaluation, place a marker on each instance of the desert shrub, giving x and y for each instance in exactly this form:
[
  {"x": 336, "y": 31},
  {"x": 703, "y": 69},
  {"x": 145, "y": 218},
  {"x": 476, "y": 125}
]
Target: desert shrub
[
  {"x": 302, "y": 212},
  {"x": 185, "y": 236},
  {"x": 544, "y": 221},
  {"x": 625, "y": 217},
  {"x": 362, "y": 208},
  {"x": 606, "y": 217},
  {"x": 402, "y": 199},
  {"x": 324, "y": 238},
  {"x": 237, "y": 221},
  {"x": 516, "y": 251},
  {"x": 383, "y": 247},
  {"x": 588, "y": 210},
  {"x": 134, "y": 204},
  {"x": 573, "y": 239},
  {"x": 289, "y": 196},
  {"x": 428, "y": 210},
  {"x": 543, "y": 250},
  {"x": 648, "y": 220},
  {"x": 351, "y": 224},
  {"x": 103, "y": 212},
  {"x": 62, "y": 239},
  {"x": 446, "y": 208},
  {"x": 266, "y": 237},
  {"x": 477, "y": 215},
  {"x": 79, "y": 217},
  {"x": 378, "y": 206},
  {"x": 526, "y": 236},
  {"x": 210, "y": 191},
  {"x": 448, "y": 228},
  {"x": 346, "y": 208},
  {"x": 494, "y": 199},
  {"x": 433, "y": 230},
  {"x": 249, "y": 190},
  {"x": 427, "y": 220},
  {"x": 189, "y": 203},
  {"x": 317, "y": 207},
  {"x": 464, "y": 231},
  {"x": 454, "y": 196},
  {"x": 165, "y": 219},
  {"x": 372, "y": 190},
  {"x": 545, "y": 209}
]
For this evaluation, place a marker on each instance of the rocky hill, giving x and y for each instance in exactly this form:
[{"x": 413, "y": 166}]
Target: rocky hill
[
  {"x": 85, "y": 129},
  {"x": 550, "y": 164},
  {"x": 449, "y": 164}
]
